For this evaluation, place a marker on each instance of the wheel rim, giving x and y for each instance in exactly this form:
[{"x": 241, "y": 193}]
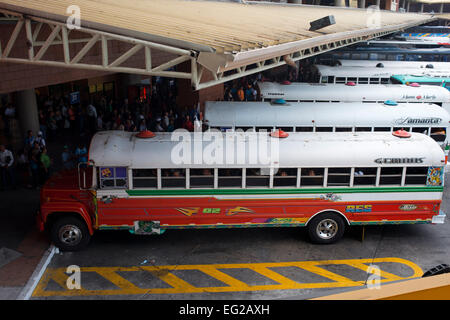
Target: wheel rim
[
  {"x": 70, "y": 235},
  {"x": 327, "y": 229}
]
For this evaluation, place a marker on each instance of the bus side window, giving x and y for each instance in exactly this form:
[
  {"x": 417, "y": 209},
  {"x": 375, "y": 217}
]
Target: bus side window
[
  {"x": 230, "y": 178},
  {"x": 173, "y": 178},
  {"x": 340, "y": 80},
  {"x": 438, "y": 134},
  {"x": 145, "y": 178},
  {"x": 363, "y": 80},
  {"x": 423, "y": 130},
  {"x": 365, "y": 177},
  {"x": 311, "y": 177},
  {"x": 304, "y": 129},
  {"x": 382, "y": 129},
  {"x": 416, "y": 175},
  {"x": 363, "y": 129},
  {"x": 113, "y": 177},
  {"x": 324, "y": 129},
  {"x": 285, "y": 177},
  {"x": 201, "y": 178},
  {"x": 391, "y": 175},
  {"x": 255, "y": 177},
  {"x": 338, "y": 177}
]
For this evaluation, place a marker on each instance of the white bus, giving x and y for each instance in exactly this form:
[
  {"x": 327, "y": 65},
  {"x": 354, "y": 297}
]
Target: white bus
[
  {"x": 325, "y": 182},
  {"x": 394, "y": 64},
  {"x": 359, "y": 75},
  {"x": 327, "y": 92},
  {"x": 424, "y": 118}
]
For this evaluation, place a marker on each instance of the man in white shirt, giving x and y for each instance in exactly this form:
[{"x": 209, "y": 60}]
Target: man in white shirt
[{"x": 6, "y": 167}]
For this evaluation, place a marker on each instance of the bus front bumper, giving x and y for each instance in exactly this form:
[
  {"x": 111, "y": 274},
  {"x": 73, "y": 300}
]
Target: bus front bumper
[{"x": 439, "y": 219}]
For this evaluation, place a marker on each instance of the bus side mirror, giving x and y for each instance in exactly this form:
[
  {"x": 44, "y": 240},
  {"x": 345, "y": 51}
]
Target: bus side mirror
[{"x": 86, "y": 175}]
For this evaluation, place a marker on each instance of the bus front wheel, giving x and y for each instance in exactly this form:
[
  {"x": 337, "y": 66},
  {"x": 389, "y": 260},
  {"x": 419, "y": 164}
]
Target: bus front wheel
[
  {"x": 70, "y": 234},
  {"x": 326, "y": 228}
]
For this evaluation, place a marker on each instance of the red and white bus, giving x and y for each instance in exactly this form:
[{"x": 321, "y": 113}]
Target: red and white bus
[{"x": 323, "y": 181}]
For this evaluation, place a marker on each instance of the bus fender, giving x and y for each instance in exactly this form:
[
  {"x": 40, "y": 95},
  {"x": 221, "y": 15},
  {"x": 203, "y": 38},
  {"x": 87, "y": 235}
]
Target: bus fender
[
  {"x": 328, "y": 210},
  {"x": 50, "y": 211}
]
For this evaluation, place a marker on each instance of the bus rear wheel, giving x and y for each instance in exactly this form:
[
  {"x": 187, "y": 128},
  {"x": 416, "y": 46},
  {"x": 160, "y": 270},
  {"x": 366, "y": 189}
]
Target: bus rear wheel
[
  {"x": 326, "y": 228},
  {"x": 70, "y": 234}
]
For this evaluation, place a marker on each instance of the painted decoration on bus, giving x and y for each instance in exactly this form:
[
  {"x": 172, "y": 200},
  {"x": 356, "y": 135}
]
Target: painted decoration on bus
[
  {"x": 435, "y": 176},
  {"x": 358, "y": 208}
]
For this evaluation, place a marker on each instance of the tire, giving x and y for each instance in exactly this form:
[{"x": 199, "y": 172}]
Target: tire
[
  {"x": 326, "y": 228},
  {"x": 70, "y": 234}
]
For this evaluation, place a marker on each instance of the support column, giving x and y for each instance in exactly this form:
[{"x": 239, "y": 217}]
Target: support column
[
  {"x": 27, "y": 111},
  {"x": 339, "y": 3},
  {"x": 407, "y": 6},
  {"x": 441, "y": 8},
  {"x": 421, "y": 8},
  {"x": 362, "y": 4},
  {"x": 378, "y": 3}
]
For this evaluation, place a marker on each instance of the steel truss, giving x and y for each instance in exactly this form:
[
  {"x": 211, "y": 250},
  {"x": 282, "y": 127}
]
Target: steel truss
[{"x": 221, "y": 67}]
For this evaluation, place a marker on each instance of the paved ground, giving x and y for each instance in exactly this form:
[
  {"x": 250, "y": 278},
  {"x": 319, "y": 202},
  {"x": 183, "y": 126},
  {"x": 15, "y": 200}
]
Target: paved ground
[{"x": 263, "y": 263}]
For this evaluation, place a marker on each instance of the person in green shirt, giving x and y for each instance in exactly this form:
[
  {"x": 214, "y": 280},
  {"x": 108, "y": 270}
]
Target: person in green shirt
[{"x": 45, "y": 164}]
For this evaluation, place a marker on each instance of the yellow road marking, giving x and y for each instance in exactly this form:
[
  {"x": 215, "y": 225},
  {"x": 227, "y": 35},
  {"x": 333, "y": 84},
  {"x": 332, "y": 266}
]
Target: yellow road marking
[{"x": 231, "y": 284}]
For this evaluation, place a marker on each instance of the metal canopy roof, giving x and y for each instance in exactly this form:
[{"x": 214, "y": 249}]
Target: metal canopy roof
[{"x": 215, "y": 36}]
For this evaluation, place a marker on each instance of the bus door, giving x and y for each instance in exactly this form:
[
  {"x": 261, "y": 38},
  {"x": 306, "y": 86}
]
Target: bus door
[
  {"x": 86, "y": 183},
  {"x": 113, "y": 206}
]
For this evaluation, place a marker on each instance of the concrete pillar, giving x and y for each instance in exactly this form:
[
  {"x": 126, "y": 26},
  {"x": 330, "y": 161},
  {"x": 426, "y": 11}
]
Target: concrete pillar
[
  {"x": 407, "y": 6},
  {"x": 339, "y": 3},
  {"x": 378, "y": 3},
  {"x": 421, "y": 7},
  {"x": 362, "y": 4},
  {"x": 27, "y": 111},
  {"x": 441, "y": 8}
]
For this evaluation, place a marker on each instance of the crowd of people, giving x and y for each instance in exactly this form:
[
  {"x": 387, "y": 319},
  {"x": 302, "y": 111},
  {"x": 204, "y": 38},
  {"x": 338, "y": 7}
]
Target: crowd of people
[{"x": 59, "y": 120}]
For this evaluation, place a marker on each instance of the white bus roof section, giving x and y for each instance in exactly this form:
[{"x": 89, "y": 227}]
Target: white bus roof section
[
  {"x": 123, "y": 149},
  {"x": 395, "y": 64},
  {"x": 322, "y": 114},
  {"x": 363, "y": 72},
  {"x": 215, "y": 36},
  {"x": 359, "y": 92}
]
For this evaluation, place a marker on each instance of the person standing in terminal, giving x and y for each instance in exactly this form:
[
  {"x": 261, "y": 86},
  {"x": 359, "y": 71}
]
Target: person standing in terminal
[{"x": 6, "y": 167}]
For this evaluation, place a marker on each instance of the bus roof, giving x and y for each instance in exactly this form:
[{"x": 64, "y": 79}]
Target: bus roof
[
  {"x": 394, "y": 64},
  {"x": 403, "y": 78},
  {"x": 346, "y": 93},
  {"x": 342, "y": 114},
  {"x": 361, "y": 72},
  {"x": 123, "y": 149}
]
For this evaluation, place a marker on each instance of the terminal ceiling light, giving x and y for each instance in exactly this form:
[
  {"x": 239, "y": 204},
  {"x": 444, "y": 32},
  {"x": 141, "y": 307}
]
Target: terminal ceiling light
[{"x": 322, "y": 23}]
